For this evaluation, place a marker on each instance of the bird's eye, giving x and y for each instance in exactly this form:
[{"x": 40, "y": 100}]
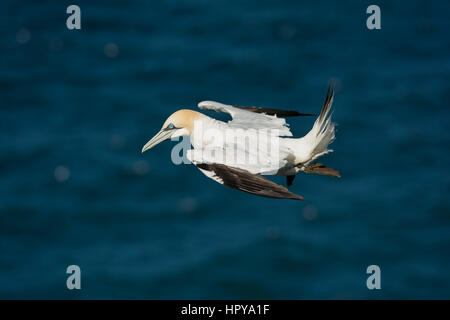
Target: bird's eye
[{"x": 170, "y": 126}]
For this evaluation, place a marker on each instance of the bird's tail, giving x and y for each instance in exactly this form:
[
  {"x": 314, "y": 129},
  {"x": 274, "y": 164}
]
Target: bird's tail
[{"x": 322, "y": 133}]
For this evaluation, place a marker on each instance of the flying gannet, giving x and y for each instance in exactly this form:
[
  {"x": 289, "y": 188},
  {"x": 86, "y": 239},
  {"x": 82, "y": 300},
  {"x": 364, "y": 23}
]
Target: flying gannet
[{"x": 254, "y": 143}]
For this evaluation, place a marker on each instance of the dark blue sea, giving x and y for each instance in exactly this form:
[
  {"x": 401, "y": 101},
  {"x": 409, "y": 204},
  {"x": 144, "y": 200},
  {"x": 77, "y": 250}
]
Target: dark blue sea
[{"x": 76, "y": 107}]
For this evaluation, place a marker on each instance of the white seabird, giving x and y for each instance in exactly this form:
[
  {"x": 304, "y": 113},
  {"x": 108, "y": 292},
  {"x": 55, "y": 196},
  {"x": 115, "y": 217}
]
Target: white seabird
[{"x": 227, "y": 160}]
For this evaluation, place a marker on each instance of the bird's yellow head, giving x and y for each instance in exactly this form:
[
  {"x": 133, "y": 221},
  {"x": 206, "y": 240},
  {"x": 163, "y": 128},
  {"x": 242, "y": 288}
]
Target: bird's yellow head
[{"x": 180, "y": 123}]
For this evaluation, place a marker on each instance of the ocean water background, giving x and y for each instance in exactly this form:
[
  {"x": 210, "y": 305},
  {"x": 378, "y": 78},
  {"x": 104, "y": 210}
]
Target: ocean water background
[{"x": 76, "y": 107}]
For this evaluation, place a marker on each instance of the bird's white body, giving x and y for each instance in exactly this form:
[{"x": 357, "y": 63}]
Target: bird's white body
[
  {"x": 255, "y": 142},
  {"x": 210, "y": 145}
]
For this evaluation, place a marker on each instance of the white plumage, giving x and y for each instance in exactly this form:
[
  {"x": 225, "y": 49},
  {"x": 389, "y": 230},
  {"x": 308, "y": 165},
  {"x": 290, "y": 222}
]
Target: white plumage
[{"x": 254, "y": 142}]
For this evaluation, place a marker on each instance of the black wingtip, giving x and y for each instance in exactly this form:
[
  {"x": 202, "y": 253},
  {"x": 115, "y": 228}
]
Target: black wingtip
[
  {"x": 318, "y": 168},
  {"x": 328, "y": 99},
  {"x": 275, "y": 112},
  {"x": 296, "y": 197},
  {"x": 246, "y": 181}
]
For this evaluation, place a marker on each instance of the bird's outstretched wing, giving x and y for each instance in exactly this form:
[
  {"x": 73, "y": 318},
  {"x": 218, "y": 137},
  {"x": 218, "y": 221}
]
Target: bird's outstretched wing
[
  {"x": 251, "y": 118},
  {"x": 245, "y": 181},
  {"x": 275, "y": 112},
  {"x": 318, "y": 168}
]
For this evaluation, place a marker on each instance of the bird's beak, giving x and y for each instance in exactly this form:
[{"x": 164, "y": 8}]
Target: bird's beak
[{"x": 158, "y": 138}]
